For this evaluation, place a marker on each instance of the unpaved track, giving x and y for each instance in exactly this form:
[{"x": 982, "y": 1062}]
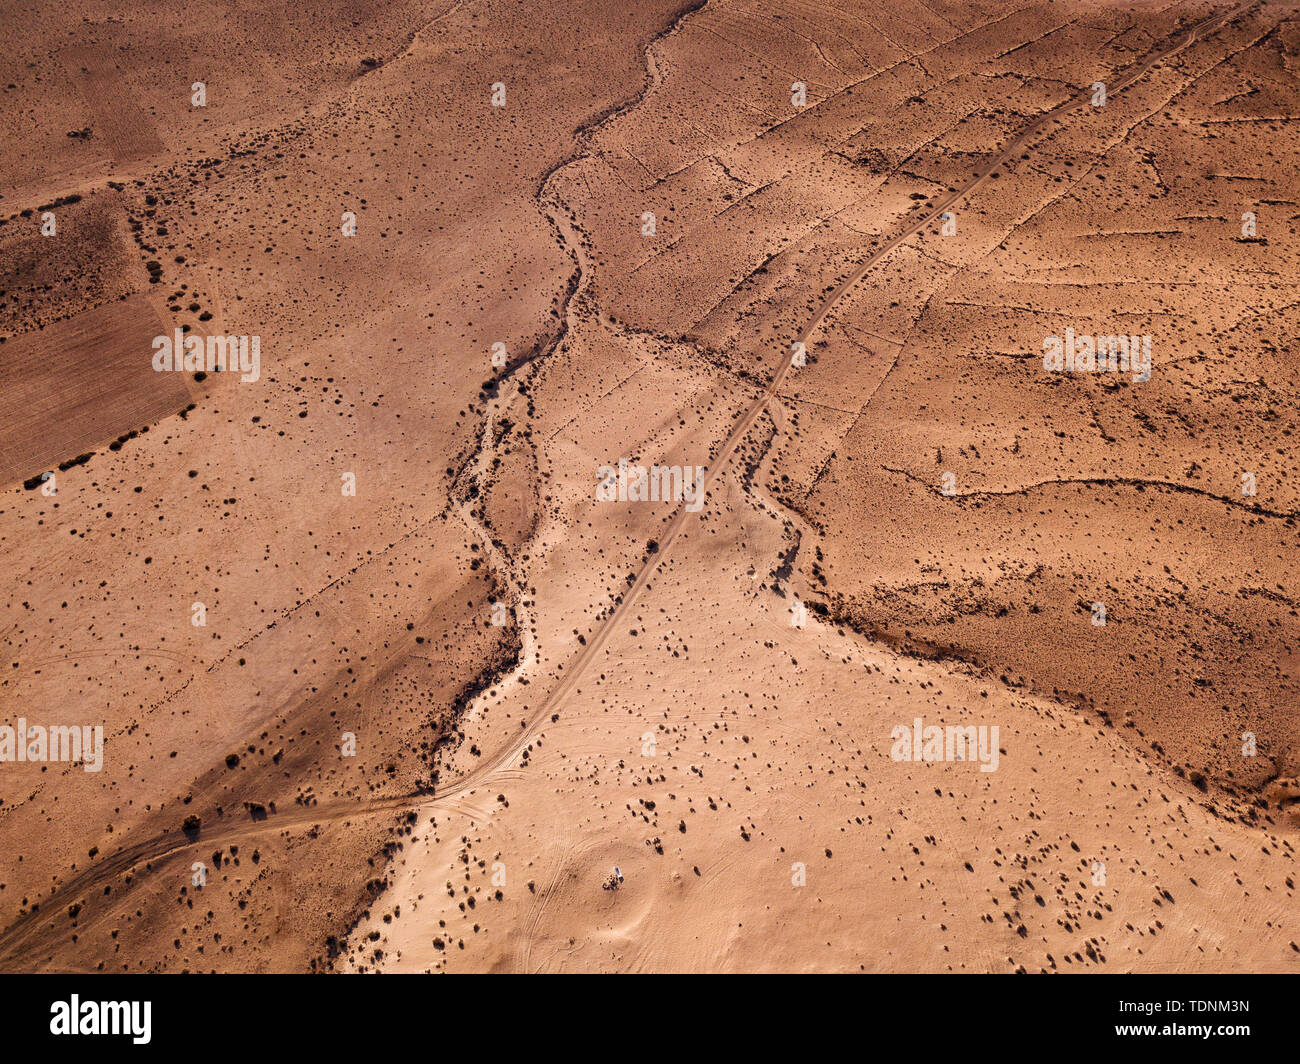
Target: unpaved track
[{"x": 18, "y": 935}]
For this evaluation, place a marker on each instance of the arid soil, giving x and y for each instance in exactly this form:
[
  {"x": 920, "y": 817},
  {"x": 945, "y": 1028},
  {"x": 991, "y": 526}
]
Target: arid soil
[{"x": 394, "y": 671}]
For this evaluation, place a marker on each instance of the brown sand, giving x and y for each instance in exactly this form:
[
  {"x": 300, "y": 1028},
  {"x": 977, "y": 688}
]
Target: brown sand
[{"x": 913, "y": 523}]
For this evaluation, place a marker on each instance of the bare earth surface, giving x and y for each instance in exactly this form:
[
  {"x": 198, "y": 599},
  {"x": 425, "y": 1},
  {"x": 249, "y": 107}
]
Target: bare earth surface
[{"x": 387, "y": 684}]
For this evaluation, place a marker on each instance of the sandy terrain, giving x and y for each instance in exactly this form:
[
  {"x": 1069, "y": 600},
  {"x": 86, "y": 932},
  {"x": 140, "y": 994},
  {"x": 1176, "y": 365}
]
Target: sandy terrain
[{"x": 395, "y": 665}]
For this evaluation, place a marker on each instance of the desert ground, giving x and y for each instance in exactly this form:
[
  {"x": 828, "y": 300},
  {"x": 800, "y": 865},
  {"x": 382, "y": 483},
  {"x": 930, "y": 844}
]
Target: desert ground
[{"x": 397, "y": 668}]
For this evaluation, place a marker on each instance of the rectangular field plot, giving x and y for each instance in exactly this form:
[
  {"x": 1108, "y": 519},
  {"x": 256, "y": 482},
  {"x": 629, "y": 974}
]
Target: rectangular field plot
[{"x": 80, "y": 384}]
